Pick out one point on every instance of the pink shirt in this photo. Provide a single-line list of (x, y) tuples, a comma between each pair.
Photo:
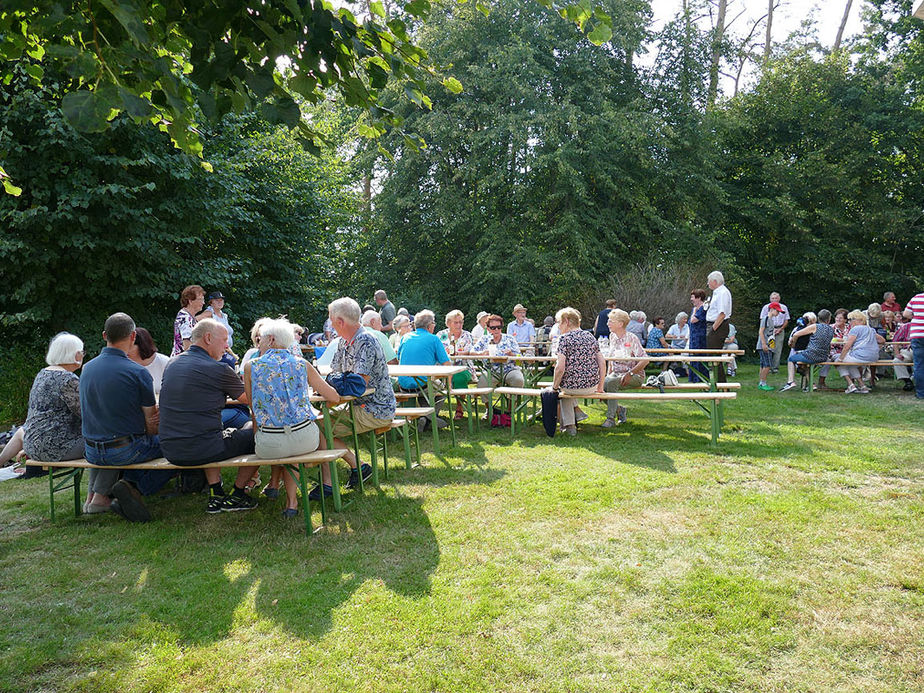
[(917, 322)]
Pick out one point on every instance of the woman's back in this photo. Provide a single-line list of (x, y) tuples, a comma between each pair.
[(865, 347), (53, 422), (280, 389)]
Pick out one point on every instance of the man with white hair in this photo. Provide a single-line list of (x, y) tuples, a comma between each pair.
[(194, 391), (360, 352), (422, 348), (386, 310), (636, 325), (372, 321), (779, 328), (720, 310)]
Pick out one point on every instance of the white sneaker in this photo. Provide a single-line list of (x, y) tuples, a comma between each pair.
[(850, 390), (787, 386), (862, 390)]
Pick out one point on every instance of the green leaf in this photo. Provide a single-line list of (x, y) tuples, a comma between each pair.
[(453, 85), (486, 10), (377, 8), (600, 34), (35, 71), (86, 111), (10, 188), (126, 13), (418, 8)]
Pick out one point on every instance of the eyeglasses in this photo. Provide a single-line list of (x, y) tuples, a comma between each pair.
[(494, 327)]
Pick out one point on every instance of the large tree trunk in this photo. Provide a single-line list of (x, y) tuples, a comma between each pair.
[(717, 38), (768, 41), (840, 31)]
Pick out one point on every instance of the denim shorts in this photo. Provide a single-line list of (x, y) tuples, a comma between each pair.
[(766, 358)]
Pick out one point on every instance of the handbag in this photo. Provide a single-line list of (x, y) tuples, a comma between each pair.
[(347, 384)]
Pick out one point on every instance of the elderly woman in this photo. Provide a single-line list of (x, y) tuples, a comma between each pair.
[(52, 429), (579, 369), (623, 374), (277, 384), (254, 350), (819, 327), (215, 308), (636, 326), (402, 327), (841, 328), (862, 346), (192, 299), (144, 352), (481, 325), (679, 333), (458, 342), (698, 326)]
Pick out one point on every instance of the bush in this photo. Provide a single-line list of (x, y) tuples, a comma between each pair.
[(17, 371)]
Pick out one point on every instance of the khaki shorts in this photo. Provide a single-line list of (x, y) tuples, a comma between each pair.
[(364, 422)]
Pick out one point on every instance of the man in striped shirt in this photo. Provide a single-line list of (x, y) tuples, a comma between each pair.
[(916, 334)]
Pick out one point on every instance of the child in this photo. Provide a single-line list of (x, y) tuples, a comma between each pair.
[(765, 344)]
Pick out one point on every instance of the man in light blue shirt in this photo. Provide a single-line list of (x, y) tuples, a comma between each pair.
[(422, 348), (521, 329)]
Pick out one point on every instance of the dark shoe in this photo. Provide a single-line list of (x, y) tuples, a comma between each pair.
[(289, 513), (215, 501), (131, 504), (441, 423), (315, 494), (271, 492), (422, 424), (354, 476), (909, 385), (236, 502)]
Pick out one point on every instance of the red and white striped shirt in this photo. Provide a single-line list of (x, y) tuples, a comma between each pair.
[(916, 304)]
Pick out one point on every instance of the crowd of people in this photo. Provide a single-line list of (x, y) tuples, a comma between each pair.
[(203, 404)]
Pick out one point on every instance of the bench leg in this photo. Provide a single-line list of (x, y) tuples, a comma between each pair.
[(359, 462), (51, 491), (812, 372), (436, 429), (514, 401), (303, 501), (405, 436), (373, 452), (714, 418)]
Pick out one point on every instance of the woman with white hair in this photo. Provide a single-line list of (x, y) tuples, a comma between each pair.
[(277, 385), (52, 430), (402, 325), (862, 346), (458, 342), (636, 325), (580, 367)]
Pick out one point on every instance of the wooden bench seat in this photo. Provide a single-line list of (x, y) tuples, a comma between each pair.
[(414, 412)]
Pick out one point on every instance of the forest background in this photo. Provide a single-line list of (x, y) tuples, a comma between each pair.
[(563, 173)]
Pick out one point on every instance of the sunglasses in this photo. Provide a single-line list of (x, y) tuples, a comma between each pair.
[(494, 327)]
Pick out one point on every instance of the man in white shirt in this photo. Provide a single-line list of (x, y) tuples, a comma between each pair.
[(779, 328), (720, 310)]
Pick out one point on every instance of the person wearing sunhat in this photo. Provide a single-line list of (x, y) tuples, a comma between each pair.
[(480, 323), (215, 309), (520, 328)]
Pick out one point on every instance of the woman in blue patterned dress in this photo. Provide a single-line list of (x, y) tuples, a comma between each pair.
[(698, 371), (277, 386)]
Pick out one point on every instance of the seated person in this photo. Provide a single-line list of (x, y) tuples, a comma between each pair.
[(254, 349), (422, 348), (359, 353), (496, 343), (520, 328), (889, 303), (636, 325), (861, 345), (622, 374), (458, 342), (119, 424), (580, 367), (818, 329), (372, 322), (544, 336), (402, 325), (277, 384), (144, 352), (656, 339), (677, 336), (903, 355), (731, 344), (194, 392)]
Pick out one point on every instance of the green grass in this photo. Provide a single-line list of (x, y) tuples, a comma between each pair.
[(790, 558)]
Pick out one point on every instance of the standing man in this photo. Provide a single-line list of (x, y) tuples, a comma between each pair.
[(720, 310), (779, 328), (386, 310), (120, 423), (917, 343), (194, 391), (422, 348), (521, 329)]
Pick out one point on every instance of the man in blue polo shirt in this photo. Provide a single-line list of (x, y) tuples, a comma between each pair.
[(422, 348), (120, 424)]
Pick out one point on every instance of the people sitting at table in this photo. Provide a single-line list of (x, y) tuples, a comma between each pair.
[(372, 322), (194, 392), (677, 336), (276, 384), (496, 343), (698, 327), (544, 336), (359, 353), (889, 303), (622, 374), (819, 345), (520, 328), (861, 346), (422, 348), (120, 423), (766, 340), (191, 300), (903, 355), (402, 325), (52, 431), (840, 328), (144, 351), (579, 368), (458, 342), (478, 331), (637, 327)]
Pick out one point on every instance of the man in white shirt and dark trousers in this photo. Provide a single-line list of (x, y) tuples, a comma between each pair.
[(720, 310)]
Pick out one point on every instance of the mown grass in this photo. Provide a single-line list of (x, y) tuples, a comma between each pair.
[(790, 558)]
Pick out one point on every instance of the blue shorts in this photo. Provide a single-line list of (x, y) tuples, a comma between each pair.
[(766, 358), (799, 357)]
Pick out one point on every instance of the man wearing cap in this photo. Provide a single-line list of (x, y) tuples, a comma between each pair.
[(387, 310), (521, 329), (779, 327)]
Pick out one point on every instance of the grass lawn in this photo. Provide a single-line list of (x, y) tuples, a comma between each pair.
[(790, 558)]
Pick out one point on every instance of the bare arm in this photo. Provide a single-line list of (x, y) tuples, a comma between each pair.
[(248, 393), (601, 365), (848, 344), (559, 372), (151, 419), (321, 386)]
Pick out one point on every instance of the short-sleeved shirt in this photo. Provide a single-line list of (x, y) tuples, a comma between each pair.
[(363, 355), (637, 328), (53, 423), (506, 343), (194, 391), (387, 348), (655, 335), (782, 317), (721, 303), (156, 369), (865, 346), (182, 329), (223, 319), (580, 350), (916, 305), (465, 342), (387, 314), (420, 348), (522, 333), (113, 388), (767, 323), (279, 389), (819, 345), (680, 336), (629, 345)]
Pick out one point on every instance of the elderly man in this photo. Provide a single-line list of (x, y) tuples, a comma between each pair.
[(386, 310), (373, 324), (120, 423), (195, 388), (422, 348), (496, 343), (779, 328), (889, 303), (720, 310), (520, 328)]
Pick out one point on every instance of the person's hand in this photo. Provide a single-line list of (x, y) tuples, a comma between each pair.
[(626, 378), (600, 389), (777, 330)]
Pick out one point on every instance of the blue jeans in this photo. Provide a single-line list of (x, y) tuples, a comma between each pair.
[(917, 351), (234, 417), (141, 449)]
